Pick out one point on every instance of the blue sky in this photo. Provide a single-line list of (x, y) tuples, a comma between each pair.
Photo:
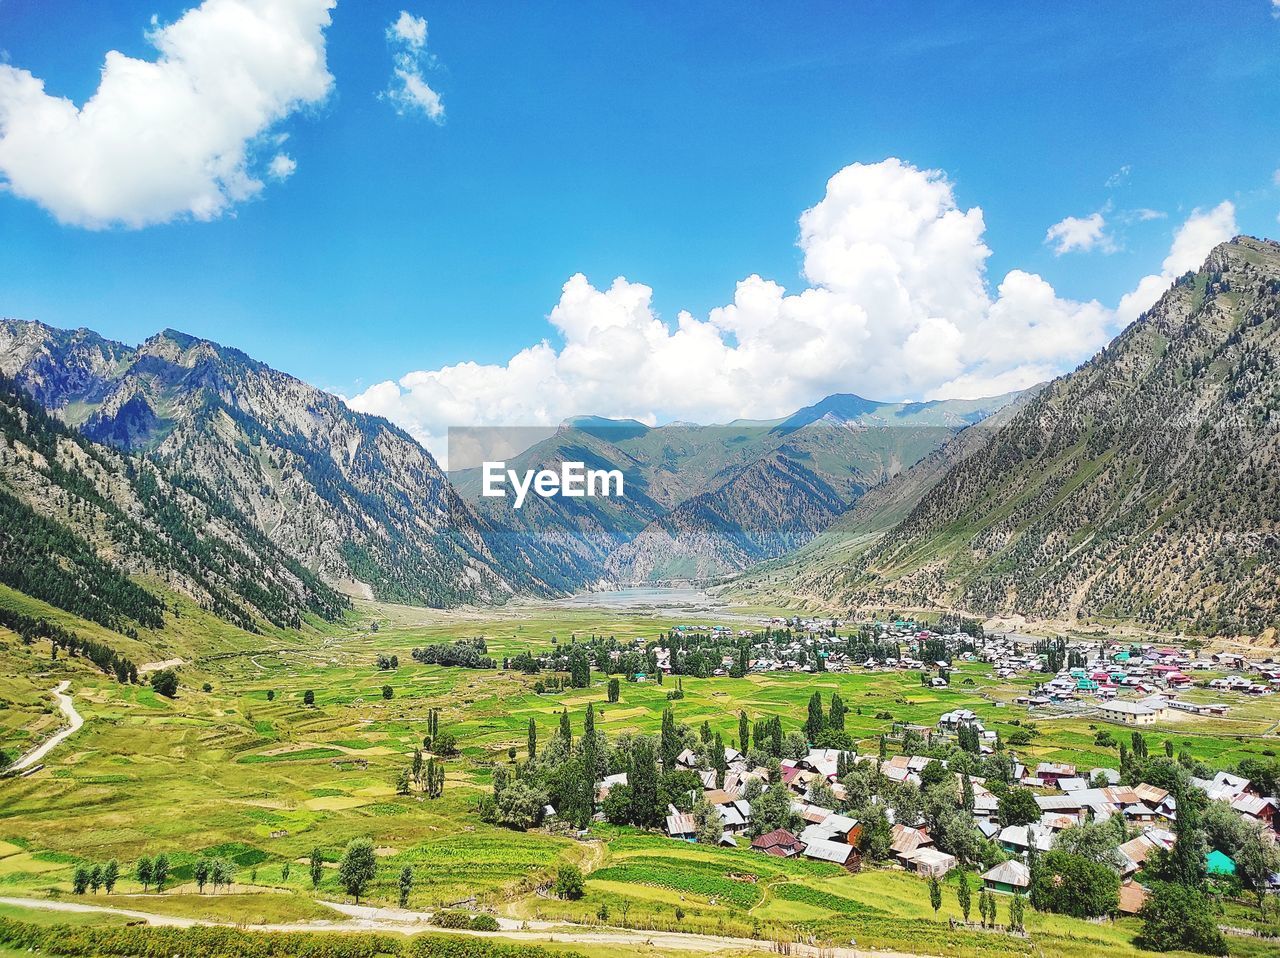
[(675, 145)]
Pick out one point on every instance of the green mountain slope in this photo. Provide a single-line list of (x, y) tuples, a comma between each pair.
[(1142, 487), (82, 524)]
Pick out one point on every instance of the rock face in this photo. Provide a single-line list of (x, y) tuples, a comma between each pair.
[(348, 495), (1142, 487)]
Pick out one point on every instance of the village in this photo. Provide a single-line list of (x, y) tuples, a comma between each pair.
[(1088, 679)]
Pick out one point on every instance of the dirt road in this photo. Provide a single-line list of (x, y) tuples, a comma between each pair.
[(398, 921), (38, 753)]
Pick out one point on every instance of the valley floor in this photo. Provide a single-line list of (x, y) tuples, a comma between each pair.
[(247, 772)]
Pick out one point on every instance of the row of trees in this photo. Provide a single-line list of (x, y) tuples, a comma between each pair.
[(93, 877)]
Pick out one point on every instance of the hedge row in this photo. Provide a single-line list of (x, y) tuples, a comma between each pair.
[(141, 941)]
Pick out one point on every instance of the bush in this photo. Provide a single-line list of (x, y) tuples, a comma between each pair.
[(451, 919), (484, 923)]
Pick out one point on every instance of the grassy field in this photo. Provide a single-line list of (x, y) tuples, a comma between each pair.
[(247, 772)]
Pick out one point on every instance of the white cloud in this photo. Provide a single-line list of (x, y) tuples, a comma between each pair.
[(409, 91), (410, 29), (1192, 242), (169, 138), (1119, 178), (898, 305), (282, 166), (1080, 234)]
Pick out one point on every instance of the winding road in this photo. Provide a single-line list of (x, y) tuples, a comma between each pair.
[(74, 719), (396, 920)]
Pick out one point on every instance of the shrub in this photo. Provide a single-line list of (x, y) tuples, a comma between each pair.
[(484, 923)]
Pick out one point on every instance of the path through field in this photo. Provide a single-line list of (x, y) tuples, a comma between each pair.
[(395, 920), (73, 717)]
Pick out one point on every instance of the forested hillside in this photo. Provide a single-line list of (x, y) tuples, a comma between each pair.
[(84, 528), (344, 494)]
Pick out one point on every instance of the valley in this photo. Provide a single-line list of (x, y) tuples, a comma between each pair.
[(265, 664)]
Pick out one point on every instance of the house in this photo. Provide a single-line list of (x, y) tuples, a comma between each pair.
[(1132, 897), (907, 841), (1261, 810), (931, 862), (681, 825), (1219, 864), (1129, 713), (1136, 851), (1018, 838), (1051, 772), (1011, 876), (837, 853), (780, 843)]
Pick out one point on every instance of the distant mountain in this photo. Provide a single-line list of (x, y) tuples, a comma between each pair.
[(1140, 488), (99, 533), (706, 500), (816, 575), (347, 495)]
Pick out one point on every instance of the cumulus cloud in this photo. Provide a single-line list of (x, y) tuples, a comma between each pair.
[(178, 136), (897, 305), (282, 166), (1202, 231), (409, 91), (1080, 234)]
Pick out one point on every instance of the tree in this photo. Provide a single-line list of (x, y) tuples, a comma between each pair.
[(772, 810), (744, 733), (316, 867), (646, 810), (615, 691), (835, 716), (308, 697), (1073, 885), (533, 739), (201, 874), (1178, 918), (816, 721), (160, 871), (708, 823), (95, 878), (388, 692), (520, 806), (964, 894), (110, 875), (80, 882), (357, 868), (1256, 861), (406, 885), (165, 682), (568, 883), (935, 894), (444, 743), (1017, 912), (617, 805), (144, 873), (1018, 807), (221, 874)]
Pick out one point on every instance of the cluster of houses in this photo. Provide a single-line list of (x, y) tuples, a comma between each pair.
[(1066, 796)]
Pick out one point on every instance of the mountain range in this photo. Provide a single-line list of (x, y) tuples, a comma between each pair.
[(1139, 488)]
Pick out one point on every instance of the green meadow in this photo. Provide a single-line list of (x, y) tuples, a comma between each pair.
[(249, 773)]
